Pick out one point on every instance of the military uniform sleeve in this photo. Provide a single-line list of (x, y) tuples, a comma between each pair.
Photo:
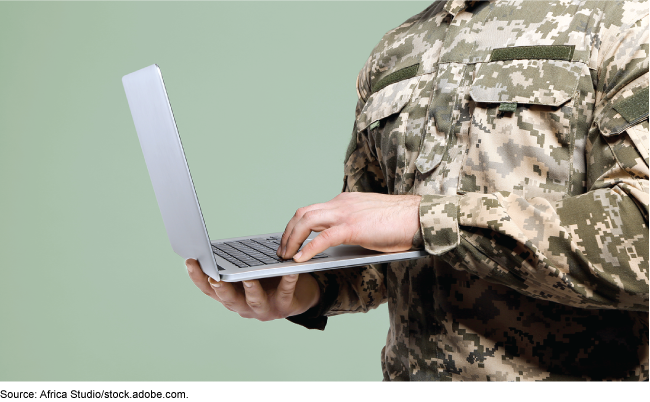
[(352, 290), (590, 250)]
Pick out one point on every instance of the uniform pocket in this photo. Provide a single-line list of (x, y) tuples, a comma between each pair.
[(623, 125), (627, 112), (531, 82), (392, 122), (386, 102), (520, 132)]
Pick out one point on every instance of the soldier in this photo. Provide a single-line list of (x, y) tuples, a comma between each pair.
[(510, 140)]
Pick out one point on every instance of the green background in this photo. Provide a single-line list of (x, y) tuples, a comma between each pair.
[(264, 97)]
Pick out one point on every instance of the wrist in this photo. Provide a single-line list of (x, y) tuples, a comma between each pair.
[(417, 241), (314, 290), (310, 291)]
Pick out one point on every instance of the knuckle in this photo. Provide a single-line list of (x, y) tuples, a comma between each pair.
[(310, 246), (306, 250), (291, 280), (311, 215), (325, 235), (286, 243), (331, 237), (300, 212), (285, 294), (253, 304), (225, 300)]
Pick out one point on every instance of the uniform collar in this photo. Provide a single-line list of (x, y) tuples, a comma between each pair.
[(454, 7)]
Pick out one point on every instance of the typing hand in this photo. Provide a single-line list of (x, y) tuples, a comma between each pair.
[(375, 221)]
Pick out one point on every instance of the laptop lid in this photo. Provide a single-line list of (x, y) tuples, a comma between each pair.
[(168, 169)]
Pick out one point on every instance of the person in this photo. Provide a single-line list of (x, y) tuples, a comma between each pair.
[(510, 140)]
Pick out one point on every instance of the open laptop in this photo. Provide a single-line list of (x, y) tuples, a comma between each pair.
[(234, 259)]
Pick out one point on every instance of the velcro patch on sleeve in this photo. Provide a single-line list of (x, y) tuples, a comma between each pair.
[(552, 52), (399, 75), (634, 108)]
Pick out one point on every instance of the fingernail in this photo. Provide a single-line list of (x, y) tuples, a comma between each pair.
[(248, 284), (295, 257), (189, 268), (214, 283), (284, 251)]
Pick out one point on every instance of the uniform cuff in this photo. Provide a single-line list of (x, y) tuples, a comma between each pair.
[(439, 223), (418, 242), (309, 319)]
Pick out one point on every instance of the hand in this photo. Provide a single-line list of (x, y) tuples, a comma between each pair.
[(375, 221), (265, 300)]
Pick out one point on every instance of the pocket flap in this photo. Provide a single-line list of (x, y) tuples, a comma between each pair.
[(386, 102), (537, 82)]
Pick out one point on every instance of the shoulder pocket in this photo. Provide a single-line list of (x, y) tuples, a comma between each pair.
[(627, 112), (385, 102)]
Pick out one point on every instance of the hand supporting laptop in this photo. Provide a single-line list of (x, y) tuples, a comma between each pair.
[(374, 221), (264, 299)]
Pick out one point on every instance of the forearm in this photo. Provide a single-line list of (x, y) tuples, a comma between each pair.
[(587, 251)]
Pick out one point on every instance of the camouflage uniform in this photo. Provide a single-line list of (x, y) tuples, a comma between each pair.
[(524, 126)]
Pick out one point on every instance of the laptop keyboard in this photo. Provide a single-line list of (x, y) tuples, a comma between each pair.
[(252, 252)]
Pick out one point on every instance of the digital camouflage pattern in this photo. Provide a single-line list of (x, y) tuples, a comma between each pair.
[(534, 185)]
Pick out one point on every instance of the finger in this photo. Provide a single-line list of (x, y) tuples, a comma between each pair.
[(199, 278), (334, 236), (229, 296), (296, 217), (256, 298), (284, 294), (316, 220)]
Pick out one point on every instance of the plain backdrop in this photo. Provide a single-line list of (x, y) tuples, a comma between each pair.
[(263, 95)]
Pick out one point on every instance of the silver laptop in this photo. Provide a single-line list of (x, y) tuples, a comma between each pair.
[(231, 260)]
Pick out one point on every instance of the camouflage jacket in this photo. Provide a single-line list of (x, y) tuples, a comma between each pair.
[(524, 126)]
